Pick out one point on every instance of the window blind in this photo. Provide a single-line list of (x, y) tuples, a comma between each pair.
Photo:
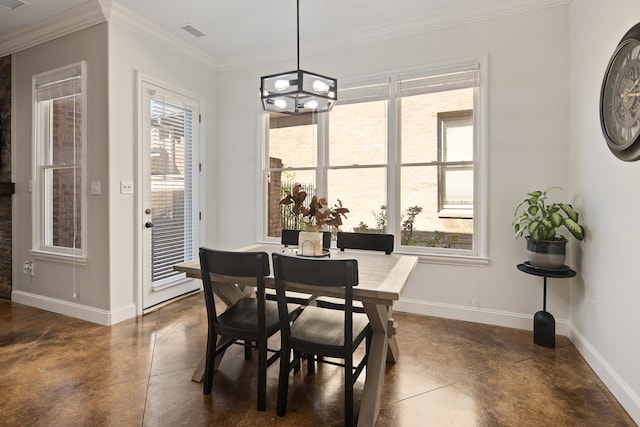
[(446, 80), (59, 84), (171, 185), (367, 92)]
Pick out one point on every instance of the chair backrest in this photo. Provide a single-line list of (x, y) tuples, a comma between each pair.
[(290, 237), (315, 273), (232, 269), (366, 241)]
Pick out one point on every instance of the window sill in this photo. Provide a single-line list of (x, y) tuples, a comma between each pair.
[(59, 257), (448, 259)]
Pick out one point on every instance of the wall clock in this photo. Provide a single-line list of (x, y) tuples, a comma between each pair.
[(620, 98)]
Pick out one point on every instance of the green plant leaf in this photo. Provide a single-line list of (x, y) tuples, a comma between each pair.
[(568, 210), (556, 219), (533, 210), (574, 228)]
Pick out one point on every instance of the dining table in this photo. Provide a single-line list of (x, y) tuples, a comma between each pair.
[(382, 278)]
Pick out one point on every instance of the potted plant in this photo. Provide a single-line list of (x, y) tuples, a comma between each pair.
[(538, 221), (313, 216)]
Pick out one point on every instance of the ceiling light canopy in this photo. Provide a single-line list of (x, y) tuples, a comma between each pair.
[(298, 91)]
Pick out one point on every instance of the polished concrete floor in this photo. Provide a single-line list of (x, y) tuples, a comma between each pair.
[(60, 371)]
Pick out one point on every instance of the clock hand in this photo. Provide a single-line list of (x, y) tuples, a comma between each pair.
[(626, 95)]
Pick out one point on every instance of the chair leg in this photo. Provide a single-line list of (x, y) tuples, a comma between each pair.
[(348, 391), (247, 350), (311, 364), (283, 380), (262, 375), (209, 362)]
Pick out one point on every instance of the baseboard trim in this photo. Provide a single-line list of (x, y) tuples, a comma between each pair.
[(79, 311), (614, 382), (473, 314)]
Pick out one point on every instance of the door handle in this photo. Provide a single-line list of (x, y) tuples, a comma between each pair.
[(148, 224)]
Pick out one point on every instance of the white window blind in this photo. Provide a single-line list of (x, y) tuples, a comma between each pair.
[(451, 79), (364, 92), (171, 185)]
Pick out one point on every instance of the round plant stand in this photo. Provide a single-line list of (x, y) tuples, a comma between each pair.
[(544, 324)]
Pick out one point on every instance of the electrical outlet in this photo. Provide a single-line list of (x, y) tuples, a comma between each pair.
[(27, 267)]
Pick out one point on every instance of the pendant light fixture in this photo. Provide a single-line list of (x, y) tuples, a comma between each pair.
[(298, 91)]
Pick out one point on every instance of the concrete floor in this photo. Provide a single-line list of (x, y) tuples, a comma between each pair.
[(60, 371)]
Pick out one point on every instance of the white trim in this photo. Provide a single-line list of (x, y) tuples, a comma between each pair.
[(198, 189), (79, 311), (75, 19), (140, 26), (473, 314), (627, 397)]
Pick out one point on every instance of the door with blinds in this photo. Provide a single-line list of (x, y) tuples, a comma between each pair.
[(170, 135)]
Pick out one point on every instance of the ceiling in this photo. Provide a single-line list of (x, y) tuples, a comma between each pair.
[(237, 29)]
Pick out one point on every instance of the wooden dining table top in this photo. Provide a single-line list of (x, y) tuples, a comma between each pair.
[(382, 277)]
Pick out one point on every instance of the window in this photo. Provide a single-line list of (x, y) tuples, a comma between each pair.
[(401, 153), (59, 175)]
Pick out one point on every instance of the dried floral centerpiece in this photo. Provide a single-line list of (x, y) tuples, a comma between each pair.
[(313, 217)]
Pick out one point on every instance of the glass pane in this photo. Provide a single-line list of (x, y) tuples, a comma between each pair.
[(65, 207), (421, 223), (419, 122), (458, 188), (358, 134), (279, 216), (293, 145), (171, 140), (457, 138), (66, 147), (363, 192)]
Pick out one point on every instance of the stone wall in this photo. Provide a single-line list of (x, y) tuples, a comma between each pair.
[(5, 177)]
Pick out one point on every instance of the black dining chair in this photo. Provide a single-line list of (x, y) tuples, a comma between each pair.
[(318, 333), (290, 238), (366, 241), (250, 319)]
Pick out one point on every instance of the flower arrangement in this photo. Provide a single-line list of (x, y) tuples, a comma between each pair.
[(318, 213)]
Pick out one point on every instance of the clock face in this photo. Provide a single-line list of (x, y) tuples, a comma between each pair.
[(620, 101)]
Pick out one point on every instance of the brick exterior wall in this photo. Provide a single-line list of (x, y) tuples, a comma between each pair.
[(5, 176), (67, 187)]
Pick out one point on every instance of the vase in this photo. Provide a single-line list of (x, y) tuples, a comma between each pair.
[(310, 243), (546, 253)]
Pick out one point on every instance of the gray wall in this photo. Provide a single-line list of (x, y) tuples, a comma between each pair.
[(55, 279)]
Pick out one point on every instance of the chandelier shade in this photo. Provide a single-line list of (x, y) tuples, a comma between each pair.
[(298, 91)]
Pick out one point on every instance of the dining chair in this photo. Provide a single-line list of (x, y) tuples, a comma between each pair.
[(319, 332), (366, 241), (290, 238), (249, 319)]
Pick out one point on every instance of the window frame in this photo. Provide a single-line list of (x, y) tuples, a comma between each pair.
[(444, 210), (41, 137), (478, 254)]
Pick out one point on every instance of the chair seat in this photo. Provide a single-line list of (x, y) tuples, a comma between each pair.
[(326, 327), (243, 315)]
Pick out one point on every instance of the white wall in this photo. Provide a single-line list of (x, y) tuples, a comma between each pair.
[(54, 282), (608, 266), (131, 54), (528, 118)]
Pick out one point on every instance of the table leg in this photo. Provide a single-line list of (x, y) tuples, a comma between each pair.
[(229, 294), (372, 394)]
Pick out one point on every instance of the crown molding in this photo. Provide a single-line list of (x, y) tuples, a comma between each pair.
[(452, 17), (75, 19), (138, 25)]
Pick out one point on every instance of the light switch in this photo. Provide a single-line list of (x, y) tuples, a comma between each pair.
[(95, 187)]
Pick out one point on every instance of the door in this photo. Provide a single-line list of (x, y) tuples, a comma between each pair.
[(169, 193)]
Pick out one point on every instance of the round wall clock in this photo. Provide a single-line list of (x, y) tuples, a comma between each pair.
[(620, 98)]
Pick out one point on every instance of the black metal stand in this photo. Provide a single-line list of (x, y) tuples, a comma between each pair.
[(544, 324)]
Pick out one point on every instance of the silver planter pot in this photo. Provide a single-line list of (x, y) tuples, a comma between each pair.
[(547, 253)]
